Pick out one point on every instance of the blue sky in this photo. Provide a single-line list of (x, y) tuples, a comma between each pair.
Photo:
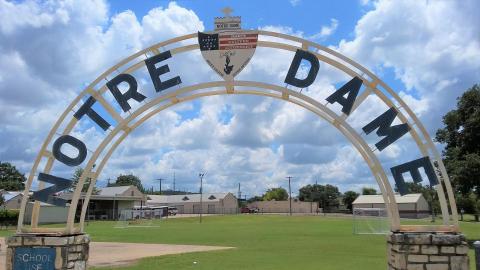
[(427, 51)]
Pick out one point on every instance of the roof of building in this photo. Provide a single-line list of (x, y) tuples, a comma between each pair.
[(169, 199), (108, 193), (112, 191), (368, 199), (8, 195)]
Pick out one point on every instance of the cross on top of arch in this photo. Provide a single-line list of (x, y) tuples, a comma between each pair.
[(227, 11)]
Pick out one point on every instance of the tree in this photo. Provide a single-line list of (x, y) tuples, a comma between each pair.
[(76, 177), (369, 191), (128, 180), (255, 199), (349, 197), (2, 200), (277, 194), (10, 178), (461, 134), (327, 196)]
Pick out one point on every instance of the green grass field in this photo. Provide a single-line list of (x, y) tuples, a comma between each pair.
[(261, 241)]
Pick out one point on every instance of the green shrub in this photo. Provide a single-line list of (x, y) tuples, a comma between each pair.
[(8, 217)]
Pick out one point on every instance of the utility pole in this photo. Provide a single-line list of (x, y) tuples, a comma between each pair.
[(173, 181), (290, 193), (239, 197), (160, 182), (201, 175)]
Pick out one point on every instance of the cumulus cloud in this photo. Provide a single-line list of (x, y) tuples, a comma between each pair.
[(50, 50), (433, 47), (295, 2), (326, 30), (47, 59)]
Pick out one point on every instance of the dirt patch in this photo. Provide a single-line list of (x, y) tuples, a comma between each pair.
[(116, 254), (108, 254)]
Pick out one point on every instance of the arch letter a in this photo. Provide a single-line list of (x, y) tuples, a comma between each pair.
[(351, 88)]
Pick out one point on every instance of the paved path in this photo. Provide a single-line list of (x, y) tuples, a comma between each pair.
[(114, 254)]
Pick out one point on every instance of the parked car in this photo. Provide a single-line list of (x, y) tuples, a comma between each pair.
[(248, 210), (172, 211), (254, 210), (244, 210)]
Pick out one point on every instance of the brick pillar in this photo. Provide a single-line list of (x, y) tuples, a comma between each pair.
[(427, 251), (32, 251)]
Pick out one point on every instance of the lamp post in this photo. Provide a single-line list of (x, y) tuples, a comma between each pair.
[(201, 175), (290, 194)]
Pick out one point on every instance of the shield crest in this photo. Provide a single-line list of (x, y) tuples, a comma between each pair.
[(229, 52)]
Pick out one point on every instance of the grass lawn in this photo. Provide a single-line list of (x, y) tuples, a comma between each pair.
[(261, 241)]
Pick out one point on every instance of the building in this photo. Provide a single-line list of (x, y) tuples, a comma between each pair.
[(212, 203), (109, 202), (13, 199), (48, 213), (284, 206), (409, 206)]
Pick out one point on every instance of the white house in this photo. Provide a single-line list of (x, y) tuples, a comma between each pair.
[(110, 201), (409, 206), (212, 203)]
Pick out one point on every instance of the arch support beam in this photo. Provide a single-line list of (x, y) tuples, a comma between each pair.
[(115, 135)]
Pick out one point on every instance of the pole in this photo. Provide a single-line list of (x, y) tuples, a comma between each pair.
[(290, 194), (201, 175), (239, 197), (160, 182)]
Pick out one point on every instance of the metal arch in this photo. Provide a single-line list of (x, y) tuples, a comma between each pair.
[(284, 94), (425, 147)]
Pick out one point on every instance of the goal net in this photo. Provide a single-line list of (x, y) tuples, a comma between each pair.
[(139, 218), (370, 221)]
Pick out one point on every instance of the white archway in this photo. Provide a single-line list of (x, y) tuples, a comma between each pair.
[(374, 86)]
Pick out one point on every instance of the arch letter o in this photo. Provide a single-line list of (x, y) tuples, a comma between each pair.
[(57, 153)]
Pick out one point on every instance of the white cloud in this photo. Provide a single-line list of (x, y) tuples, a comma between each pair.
[(326, 31), (432, 46), (45, 60), (295, 2)]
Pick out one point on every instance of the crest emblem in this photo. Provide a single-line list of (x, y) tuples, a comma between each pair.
[(228, 49)]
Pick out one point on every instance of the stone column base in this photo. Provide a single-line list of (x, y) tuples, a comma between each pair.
[(427, 251), (33, 251)]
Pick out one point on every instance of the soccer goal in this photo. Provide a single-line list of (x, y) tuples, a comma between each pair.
[(139, 218), (370, 221)]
